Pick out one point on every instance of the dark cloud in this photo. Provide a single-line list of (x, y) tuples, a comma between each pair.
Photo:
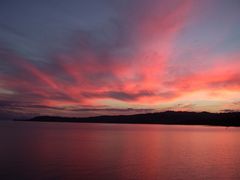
[(12, 110), (79, 54), (127, 96), (229, 110)]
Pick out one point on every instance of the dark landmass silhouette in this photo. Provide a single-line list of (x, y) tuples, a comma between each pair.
[(168, 117)]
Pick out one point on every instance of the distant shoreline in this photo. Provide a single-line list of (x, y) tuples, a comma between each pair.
[(165, 118)]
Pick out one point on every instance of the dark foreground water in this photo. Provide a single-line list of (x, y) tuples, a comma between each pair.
[(34, 150)]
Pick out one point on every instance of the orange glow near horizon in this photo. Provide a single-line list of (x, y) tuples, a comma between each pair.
[(162, 60)]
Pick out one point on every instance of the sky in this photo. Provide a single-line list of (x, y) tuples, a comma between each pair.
[(97, 57)]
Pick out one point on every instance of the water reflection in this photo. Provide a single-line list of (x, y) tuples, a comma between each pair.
[(108, 151)]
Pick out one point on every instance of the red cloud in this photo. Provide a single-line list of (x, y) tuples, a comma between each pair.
[(86, 74), (221, 76)]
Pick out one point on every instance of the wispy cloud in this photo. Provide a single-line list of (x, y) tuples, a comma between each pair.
[(135, 59)]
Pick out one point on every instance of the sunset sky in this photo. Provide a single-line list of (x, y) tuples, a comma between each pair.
[(95, 57)]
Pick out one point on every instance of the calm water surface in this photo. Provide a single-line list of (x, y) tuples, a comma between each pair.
[(34, 150)]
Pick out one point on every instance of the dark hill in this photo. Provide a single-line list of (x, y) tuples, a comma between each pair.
[(168, 117)]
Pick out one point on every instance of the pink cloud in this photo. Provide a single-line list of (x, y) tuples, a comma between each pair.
[(83, 76)]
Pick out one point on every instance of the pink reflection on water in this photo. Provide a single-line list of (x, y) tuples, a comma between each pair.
[(108, 151)]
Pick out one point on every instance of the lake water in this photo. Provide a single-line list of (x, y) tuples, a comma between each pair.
[(35, 150)]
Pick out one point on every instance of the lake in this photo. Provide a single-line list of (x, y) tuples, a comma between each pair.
[(36, 150)]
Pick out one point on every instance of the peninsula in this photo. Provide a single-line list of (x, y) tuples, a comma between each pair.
[(168, 117)]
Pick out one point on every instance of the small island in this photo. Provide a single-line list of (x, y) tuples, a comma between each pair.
[(168, 118)]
